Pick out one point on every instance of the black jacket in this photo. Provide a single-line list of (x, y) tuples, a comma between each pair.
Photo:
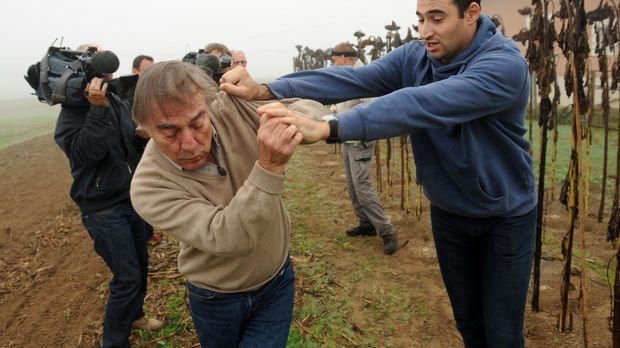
[(100, 144)]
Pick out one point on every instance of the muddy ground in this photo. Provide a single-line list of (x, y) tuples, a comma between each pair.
[(53, 285)]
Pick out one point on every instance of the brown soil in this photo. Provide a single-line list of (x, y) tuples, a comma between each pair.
[(53, 285)]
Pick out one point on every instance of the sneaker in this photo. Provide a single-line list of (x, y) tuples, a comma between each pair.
[(362, 230), (390, 243), (148, 324)]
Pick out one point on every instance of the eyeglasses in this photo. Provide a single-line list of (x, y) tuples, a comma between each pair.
[(240, 62)]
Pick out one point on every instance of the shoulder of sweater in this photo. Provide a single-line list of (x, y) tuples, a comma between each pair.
[(226, 105)]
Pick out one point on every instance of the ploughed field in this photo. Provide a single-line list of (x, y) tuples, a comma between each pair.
[(53, 286)]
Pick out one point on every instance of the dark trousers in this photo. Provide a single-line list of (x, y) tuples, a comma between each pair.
[(120, 238), (485, 264), (259, 318)]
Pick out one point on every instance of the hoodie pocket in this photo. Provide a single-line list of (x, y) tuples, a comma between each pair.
[(470, 185), (460, 193)]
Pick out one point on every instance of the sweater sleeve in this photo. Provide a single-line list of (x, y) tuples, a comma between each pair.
[(337, 84), (487, 86)]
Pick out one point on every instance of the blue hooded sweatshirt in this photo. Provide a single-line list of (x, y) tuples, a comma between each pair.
[(465, 118)]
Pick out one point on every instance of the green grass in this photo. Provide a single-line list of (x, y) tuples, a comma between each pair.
[(23, 119), (340, 305), (177, 321), (596, 153)]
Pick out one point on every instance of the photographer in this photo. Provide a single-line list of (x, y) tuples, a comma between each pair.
[(99, 142)]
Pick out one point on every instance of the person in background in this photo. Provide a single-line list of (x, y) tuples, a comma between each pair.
[(217, 49), (100, 144), (239, 59), (212, 176), (141, 63), (357, 162), (460, 93)]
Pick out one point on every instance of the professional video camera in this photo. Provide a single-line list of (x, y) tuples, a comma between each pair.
[(62, 75), (225, 60), (208, 62)]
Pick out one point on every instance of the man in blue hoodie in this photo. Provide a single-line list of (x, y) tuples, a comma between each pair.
[(460, 93)]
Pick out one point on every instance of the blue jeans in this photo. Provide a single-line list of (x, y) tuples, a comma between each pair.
[(485, 264), (120, 238), (259, 318)]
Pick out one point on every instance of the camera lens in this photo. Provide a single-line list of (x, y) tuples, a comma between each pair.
[(225, 61)]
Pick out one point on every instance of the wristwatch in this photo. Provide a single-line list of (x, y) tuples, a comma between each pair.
[(334, 132)]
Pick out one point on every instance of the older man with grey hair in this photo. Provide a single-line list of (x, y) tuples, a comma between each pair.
[(212, 176)]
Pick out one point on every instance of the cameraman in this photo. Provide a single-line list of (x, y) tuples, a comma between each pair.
[(99, 142)]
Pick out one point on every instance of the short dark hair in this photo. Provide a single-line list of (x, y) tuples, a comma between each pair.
[(138, 60), (463, 5)]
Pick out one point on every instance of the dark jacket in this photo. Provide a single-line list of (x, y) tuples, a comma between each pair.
[(100, 144)]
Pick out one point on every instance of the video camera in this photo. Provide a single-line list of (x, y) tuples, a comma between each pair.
[(225, 61), (62, 74), (211, 64)]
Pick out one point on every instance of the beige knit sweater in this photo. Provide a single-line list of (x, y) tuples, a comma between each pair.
[(234, 230)]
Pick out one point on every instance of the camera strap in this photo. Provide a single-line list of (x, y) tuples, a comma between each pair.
[(59, 92)]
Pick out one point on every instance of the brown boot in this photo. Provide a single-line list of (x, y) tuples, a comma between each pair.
[(148, 324)]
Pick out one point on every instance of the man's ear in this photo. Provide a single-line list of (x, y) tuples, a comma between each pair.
[(472, 13)]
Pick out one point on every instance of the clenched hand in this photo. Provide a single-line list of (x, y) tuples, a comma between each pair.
[(276, 143), (311, 130)]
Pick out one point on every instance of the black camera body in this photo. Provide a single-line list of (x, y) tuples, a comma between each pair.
[(213, 65), (190, 57), (225, 61), (61, 76)]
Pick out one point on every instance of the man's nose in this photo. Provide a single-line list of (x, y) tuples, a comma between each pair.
[(426, 31), (188, 141)]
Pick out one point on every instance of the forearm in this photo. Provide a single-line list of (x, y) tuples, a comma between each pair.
[(333, 85), (264, 93)]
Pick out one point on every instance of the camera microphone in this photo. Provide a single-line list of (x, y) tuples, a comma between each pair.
[(221, 171), (104, 62)]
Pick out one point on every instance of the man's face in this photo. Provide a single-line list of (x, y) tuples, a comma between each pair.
[(339, 60), (216, 52), (144, 64), (239, 59), (183, 133), (443, 32)]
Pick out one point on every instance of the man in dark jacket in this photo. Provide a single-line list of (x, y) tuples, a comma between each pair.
[(100, 143)]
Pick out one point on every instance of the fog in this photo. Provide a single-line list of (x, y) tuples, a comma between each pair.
[(267, 31)]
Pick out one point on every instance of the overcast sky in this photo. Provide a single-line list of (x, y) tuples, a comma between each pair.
[(267, 31)]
